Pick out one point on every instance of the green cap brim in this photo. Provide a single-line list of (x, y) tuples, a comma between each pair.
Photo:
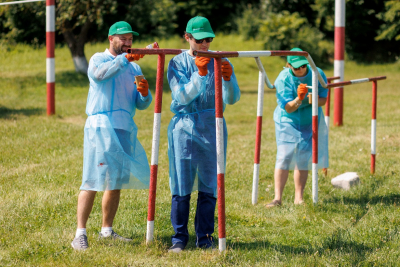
[(202, 35), (299, 63)]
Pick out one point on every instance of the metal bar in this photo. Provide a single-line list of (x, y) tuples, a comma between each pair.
[(155, 148), (373, 125), (219, 128), (156, 51), (261, 69), (314, 136), (19, 2)]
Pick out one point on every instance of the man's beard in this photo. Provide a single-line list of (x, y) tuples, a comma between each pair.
[(118, 50)]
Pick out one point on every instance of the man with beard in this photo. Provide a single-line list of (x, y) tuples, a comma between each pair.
[(114, 159)]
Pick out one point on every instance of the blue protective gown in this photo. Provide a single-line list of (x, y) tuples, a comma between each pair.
[(191, 132), (294, 130), (113, 156)]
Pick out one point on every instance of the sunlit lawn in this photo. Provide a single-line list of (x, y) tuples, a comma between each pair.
[(41, 168)]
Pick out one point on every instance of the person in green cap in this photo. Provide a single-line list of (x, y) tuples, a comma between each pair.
[(293, 127), (114, 159), (191, 134)]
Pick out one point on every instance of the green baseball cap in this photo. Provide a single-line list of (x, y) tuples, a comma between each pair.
[(296, 61), (200, 28), (121, 27)]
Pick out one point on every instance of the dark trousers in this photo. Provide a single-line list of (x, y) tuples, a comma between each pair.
[(203, 222)]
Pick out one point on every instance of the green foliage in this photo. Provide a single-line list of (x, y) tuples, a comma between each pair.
[(391, 28), (284, 31)]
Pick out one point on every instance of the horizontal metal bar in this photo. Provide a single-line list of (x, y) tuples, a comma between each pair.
[(19, 2), (155, 51), (363, 80), (333, 78)]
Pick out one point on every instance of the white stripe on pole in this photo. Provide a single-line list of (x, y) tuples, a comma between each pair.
[(338, 69), (256, 175), (327, 122), (260, 102), (340, 7), (254, 53), (315, 113), (222, 244), (359, 80), (314, 69), (261, 68), (19, 2), (156, 139), (50, 70), (50, 19), (150, 231), (220, 145), (373, 136)]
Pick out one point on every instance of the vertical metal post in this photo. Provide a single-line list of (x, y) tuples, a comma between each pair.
[(155, 148), (314, 137), (373, 125), (219, 125), (50, 62), (260, 105)]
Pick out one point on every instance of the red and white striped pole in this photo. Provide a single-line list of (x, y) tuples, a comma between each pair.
[(155, 148), (314, 136), (373, 125), (260, 105), (50, 62), (328, 102), (219, 128), (340, 7)]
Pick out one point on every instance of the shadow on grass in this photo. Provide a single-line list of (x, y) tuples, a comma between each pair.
[(7, 113), (389, 199)]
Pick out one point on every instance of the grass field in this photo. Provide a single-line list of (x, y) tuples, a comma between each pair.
[(41, 168)]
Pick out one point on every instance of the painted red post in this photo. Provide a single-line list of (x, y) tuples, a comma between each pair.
[(50, 62), (315, 136), (219, 127), (373, 125), (257, 151), (155, 148), (340, 6)]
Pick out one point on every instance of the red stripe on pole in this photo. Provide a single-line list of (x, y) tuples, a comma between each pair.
[(258, 140), (289, 53), (338, 107), (157, 51), (314, 139), (377, 78), (372, 163), (218, 88), (374, 98), (218, 54), (221, 206), (159, 83), (152, 192), (50, 2), (51, 109), (339, 43), (328, 103), (50, 44)]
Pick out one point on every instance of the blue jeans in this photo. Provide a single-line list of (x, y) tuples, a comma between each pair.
[(203, 222)]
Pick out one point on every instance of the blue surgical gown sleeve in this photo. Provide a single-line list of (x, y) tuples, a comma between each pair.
[(184, 88), (102, 70), (230, 90), (284, 91)]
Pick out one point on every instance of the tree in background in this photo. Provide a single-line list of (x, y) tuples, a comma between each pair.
[(391, 28)]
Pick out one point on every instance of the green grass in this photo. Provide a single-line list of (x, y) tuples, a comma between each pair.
[(41, 168)]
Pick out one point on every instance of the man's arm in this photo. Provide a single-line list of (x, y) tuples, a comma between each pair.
[(230, 87), (184, 89), (101, 68)]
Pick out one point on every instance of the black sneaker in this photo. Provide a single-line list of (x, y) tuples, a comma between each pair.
[(115, 236), (80, 243), (177, 247)]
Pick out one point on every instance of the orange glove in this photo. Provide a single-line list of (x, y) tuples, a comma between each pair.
[(201, 63), (302, 90), (226, 71), (143, 87), (133, 57)]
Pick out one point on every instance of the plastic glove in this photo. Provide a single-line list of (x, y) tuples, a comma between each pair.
[(133, 57), (201, 63), (143, 87), (226, 71), (302, 90)]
